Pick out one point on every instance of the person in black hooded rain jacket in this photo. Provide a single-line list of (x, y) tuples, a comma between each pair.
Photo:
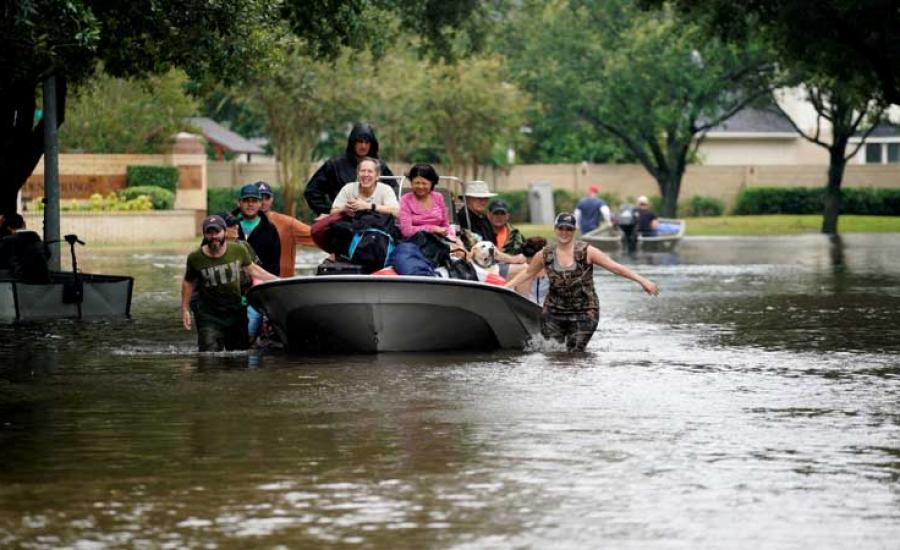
[(337, 171)]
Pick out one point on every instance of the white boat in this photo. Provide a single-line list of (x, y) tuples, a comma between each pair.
[(65, 297), (610, 238), (375, 313)]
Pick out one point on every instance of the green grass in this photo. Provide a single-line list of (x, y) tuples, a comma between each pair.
[(788, 224), (782, 224)]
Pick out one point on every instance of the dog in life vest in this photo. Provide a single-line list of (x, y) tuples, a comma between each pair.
[(484, 256)]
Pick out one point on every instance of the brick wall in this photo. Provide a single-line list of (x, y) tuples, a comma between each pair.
[(124, 227), (82, 175)]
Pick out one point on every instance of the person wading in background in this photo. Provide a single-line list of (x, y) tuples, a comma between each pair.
[(591, 211)]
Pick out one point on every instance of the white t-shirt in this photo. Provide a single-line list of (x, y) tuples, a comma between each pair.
[(383, 195)]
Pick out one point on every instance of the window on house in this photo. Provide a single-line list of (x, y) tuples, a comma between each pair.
[(893, 153), (873, 153)]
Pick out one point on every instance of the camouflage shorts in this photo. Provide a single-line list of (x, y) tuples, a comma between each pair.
[(573, 330)]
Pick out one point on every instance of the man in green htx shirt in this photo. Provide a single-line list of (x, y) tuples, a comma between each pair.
[(214, 270)]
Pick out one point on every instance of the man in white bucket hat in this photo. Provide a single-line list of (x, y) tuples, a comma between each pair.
[(472, 218)]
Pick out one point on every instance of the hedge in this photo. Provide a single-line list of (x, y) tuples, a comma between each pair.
[(701, 206), (519, 211), (159, 176), (162, 199), (806, 200), (564, 200)]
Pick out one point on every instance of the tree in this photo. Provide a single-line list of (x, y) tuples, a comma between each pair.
[(301, 97), (39, 38), (847, 113), (212, 40), (830, 35), (127, 115), (655, 83), (471, 110)]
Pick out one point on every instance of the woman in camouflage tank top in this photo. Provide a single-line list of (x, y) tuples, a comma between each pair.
[(572, 310)]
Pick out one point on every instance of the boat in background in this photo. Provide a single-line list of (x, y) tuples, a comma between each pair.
[(65, 297), (375, 313), (68, 295), (610, 238)]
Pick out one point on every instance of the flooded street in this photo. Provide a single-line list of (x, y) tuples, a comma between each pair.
[(754, 404)]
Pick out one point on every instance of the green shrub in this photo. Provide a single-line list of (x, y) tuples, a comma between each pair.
[(162, 199), (221, 199), (779, 200), (806, 200), (564, 200), (611, 199), (868, 200), (159, 176), (518, 205), (701, 206), (99, 203)]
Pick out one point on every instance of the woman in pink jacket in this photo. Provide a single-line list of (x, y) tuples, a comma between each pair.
[(424, 209)]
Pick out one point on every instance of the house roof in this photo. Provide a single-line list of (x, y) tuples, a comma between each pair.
[(884, 129), (755, 122), (230, 141)]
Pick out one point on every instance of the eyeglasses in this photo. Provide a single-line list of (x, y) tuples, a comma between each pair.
[(564, 228)]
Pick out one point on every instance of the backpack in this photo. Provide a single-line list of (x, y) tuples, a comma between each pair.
[(333, 233), (435, 249), (408, 260), (626, 215), (370, 248)]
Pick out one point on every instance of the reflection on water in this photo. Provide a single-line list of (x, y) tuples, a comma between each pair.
[(755, 404)]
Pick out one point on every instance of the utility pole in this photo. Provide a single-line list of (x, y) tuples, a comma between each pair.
[(51, 173)]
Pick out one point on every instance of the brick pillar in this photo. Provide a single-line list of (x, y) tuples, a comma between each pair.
[(189, 156)]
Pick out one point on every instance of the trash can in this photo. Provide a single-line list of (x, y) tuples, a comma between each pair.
[(540, 202)]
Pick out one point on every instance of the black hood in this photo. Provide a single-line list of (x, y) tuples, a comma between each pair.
[(362, 131)]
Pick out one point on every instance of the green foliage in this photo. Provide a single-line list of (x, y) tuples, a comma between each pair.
[(159, 176), (701, 206), (779, 200), (796, 34), (646, 78), (519, 211), (871, 201), (564, 200), (300, 97), (119, 115), (162, 198), (612, 199), (440, 27), (99, 203), (221, 199), (806, 200), (470, 109)]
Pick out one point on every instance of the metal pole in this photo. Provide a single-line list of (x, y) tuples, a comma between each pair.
[(51, 174)]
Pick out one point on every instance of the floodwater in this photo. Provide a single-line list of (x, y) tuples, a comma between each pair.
[(754, 404)]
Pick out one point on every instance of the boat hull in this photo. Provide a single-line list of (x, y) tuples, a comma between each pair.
[(609, 239), (370, 314), (102, 296)]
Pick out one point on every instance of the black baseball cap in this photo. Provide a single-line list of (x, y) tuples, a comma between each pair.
[(213, 222), (264, 188), (250, 191), (498, 206), (565, 220)]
